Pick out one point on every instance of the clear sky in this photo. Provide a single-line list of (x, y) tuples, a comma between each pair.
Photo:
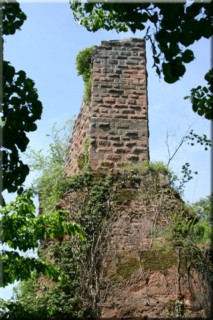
[(46, 50)]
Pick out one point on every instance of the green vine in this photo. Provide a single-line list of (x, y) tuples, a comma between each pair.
[(86, 154), (93, 198), (84, 68)]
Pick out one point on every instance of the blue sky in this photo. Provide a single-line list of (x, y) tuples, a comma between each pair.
[(46, 50)]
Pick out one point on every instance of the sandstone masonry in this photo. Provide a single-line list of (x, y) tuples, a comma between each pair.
[(136, 273), (115, 124)]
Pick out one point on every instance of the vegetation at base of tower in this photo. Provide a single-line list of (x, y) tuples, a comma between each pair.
[(170, 28), (21, 108), (83, 159), (66, 270), (204, 228), (92, 199), (72, 258), (84, 68)]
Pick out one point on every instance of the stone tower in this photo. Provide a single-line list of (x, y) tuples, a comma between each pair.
[(136, 274), (115, 124)]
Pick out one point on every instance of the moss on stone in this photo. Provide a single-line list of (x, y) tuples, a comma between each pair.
[(145, 167), (149, 261), (124, 196), (126, 269), (80, 161), (160, 261)]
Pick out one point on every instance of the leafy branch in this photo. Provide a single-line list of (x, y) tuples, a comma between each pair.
[(202, 97), (24, 230), (171, 29)]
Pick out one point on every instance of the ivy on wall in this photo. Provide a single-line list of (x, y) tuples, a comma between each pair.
[(84, 68), (92, 199)]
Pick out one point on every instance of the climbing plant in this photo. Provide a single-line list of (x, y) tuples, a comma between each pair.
[(84, 68), (91, 200)]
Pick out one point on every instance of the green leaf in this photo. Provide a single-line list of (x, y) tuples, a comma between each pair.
[(173, 70), (21, 110), (187, 56)]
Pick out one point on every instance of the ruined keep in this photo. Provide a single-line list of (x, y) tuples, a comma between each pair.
[(135, 274), (115, 123)]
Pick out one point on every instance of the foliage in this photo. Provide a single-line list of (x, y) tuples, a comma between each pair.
[(203, 207), (183, 234), (16, 219), (91, 197), (170, 28), (50, 166), (43, 302), (17, 267), (179, 183), (74, 293), (13, 17), (145, 167), (21, 108), (179, 229), (203, 228), (186, 173), (203, 140), (202, 98), (158, 167), (70, 296), (83, 158), (86, 154), (84, 68), (23, 230)]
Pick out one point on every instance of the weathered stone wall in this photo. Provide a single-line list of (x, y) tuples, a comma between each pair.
[(141, 278), (119, 128), (117, 119), (138, 278), (75, 156), (138, 274)]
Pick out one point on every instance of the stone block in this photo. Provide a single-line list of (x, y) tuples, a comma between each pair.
[(109, 100), (120, 106), (121, 150), (117, 144), (132, 157), (132, 134), (130, 144)]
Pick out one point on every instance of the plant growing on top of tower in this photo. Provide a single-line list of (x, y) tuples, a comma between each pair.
[(84, 68)]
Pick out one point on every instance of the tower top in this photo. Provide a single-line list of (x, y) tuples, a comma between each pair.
[(113, 128)]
